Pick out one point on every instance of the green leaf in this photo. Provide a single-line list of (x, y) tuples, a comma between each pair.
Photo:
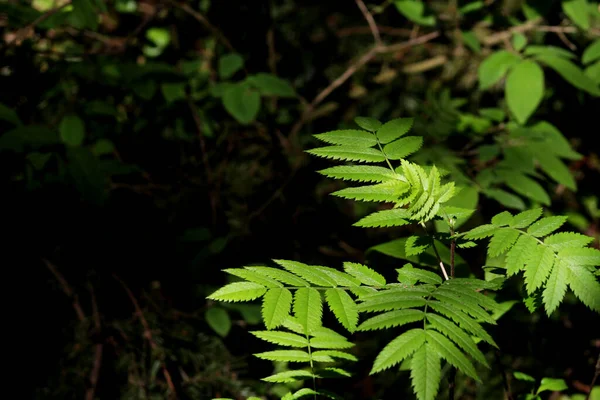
[(534, 50), (285, 355), (565, 240), (505, 198), (463, 320), (399, 349), (584, 256), (254, 276), (451, 353), (518, 255), (334, 354), (72, 130), (482, 231), (9, 115), (526, 218), (289, 376), (538, 267), (219, 321), (415, 11), (502, 219), (385, 218), (307, 272), (391, 319), (368, 123), (364, 274), (494, 67), (271, 85), (242, 103), (326, 342), (578, 12), (519, 41), (585, 286), (527, 187), (229, 64), (524, 89), (280, 275), (87, 174), (547, 225), (360, 173), (343, 307), (276, 307), (308, 308), (239, 291), (425, 372), (555, 385), (556, 286), (349, 153), (462, 339), (102, 147), (381, 192), (349, 137), (403, 147), (282, 338), (393, 129), (470, 39), (593, 71), (410, 274), (523, 377), (591, 53), (571, 73), (502, 240), (416, 245)]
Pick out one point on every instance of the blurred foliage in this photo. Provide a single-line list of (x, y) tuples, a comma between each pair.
[(162, 141)]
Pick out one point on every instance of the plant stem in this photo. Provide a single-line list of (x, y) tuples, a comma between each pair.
[(595, 378), (312, 368)]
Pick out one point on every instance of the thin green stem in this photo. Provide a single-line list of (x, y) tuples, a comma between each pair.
[(312, 367), (437, 255), (387, 160)]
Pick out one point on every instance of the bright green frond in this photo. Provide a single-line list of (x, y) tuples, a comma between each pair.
[(585, 286), (385, 218), (280, 275), (276, 307), (481, 232), (403, 147), (285, 355), (308, 308), (239, 291), (343, 307), (556, 286), (398, 349), (448, 351), (360, 173), (350, 137), (364, 274), (565, 240), (368, 123), (282, 338), (526, 218), (463, 320), (425, 372), (381, 192), (539, 265), (391, 319), (519, 254), (349, 153), (462, 339), (339, 277), (334, 354), (412, 275), (393, 129), (502, 240), (289, 376), (322, 342), (502, 219), (254, 276), (581, 256), (313, 275), (546, 226)]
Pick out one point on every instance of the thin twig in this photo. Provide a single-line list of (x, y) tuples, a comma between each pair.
[(362, 30), (147, 330), (95, 372), (595, 378), (66, 288), (364, 59), (202, 19), (500, 37), (371, 21), (22, 33), (437, 255)]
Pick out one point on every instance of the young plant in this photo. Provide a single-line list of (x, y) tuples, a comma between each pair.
[(439, 317)]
